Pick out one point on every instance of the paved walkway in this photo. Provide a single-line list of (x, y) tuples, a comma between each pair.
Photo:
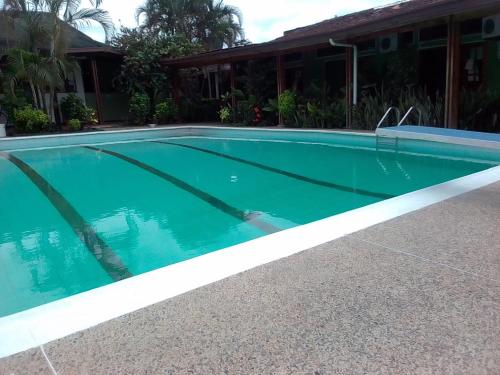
[(419, 294)]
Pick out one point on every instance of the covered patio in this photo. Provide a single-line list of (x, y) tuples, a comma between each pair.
[(446, 42)]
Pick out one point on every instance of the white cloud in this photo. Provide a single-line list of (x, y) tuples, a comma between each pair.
[(264, 20)]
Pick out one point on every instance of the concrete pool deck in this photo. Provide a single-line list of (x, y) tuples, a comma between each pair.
[(417, 294)]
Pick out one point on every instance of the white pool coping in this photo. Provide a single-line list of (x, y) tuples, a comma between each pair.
[(441, 138), (193, 126), (46, 323)]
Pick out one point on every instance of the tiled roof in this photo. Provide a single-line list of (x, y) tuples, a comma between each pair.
[(361, 18)]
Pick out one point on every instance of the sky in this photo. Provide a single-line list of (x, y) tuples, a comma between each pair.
[(263, 20)]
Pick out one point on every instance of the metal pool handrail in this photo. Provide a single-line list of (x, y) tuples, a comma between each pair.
[(395, 109), (409, 113)]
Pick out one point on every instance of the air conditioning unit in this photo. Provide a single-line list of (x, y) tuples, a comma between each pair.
[(388, 43), (491, 26)]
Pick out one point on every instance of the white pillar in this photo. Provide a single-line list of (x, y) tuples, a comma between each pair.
[(80, 87)]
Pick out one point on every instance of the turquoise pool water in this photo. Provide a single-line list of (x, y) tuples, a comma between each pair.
[(77, 218)]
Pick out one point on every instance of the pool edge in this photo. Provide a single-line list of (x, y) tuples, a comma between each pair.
[(42, 324)]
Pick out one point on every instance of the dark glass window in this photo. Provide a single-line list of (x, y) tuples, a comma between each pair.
[(330, 51), (293, 57), (474, 26), (406, 39), (433, 33), (367, 45)]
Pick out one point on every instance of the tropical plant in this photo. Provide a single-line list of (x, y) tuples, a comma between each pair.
[(287, 105), (142, 70), (210, 23), (430, 110), (30, 120), (139, 108), (319, 109), (9, 103), (225, 114), (372, 106), (249, 111), (72, 107), (75, 124), (44, 23), (258, 78), (479, 110), (165, 112), (28, 68), (90, 116)]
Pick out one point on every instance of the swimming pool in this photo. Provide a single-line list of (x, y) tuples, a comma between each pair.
[(78, 213)]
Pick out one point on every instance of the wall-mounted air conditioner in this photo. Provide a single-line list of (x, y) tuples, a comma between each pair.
[(388, 43), (491, 26)]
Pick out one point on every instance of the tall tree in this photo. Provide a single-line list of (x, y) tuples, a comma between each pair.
[(41, 25), (210, 23)]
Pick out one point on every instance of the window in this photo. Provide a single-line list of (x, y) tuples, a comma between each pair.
[(471, 27), (406, 39), (433, 33)]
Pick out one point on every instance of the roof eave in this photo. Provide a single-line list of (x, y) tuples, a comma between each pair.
[(277, 47)]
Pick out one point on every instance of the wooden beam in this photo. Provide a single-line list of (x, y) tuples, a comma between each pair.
[(97, 90), (281, 81), (348, 87), (232, 78), (452, 75), (176, 83)]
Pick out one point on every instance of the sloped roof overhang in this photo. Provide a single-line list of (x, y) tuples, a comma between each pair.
[(309, 38)]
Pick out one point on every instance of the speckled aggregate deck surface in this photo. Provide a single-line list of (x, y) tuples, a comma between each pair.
[(418, 294)]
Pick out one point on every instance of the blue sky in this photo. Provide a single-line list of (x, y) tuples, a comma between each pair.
[(263, 19)]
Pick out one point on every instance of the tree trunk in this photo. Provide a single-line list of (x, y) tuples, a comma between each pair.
[(51, 106), (33, 93)]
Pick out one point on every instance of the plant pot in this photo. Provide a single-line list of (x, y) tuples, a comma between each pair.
[(152, 125), (3, 133)]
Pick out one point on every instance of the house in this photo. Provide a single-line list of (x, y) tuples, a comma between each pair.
[(453, 44), (92, 81)]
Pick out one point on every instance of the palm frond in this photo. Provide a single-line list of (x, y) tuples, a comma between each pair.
[(89, 16)]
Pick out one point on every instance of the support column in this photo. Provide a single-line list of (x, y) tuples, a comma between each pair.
[(217, 83), (80, 87), (348, 87), (452, 98), (281, 81), (232, 77), (176, 95), (97, 89)]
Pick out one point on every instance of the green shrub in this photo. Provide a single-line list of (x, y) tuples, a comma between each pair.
[(72, 107), (30, 120), (139, 108), (249, 112), (11, 103), (225, 114), (75, 124), (165, 112), (287, 105), (90, 116)]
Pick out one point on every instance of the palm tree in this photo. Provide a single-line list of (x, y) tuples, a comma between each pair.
[(223, 25), (42, 24), (210, 23)]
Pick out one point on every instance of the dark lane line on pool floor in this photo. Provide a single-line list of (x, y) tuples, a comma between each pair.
[(104, 254), (282, 172), (249, 218)]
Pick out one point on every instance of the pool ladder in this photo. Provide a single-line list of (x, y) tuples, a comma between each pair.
[(388, 143), (391, 143)]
